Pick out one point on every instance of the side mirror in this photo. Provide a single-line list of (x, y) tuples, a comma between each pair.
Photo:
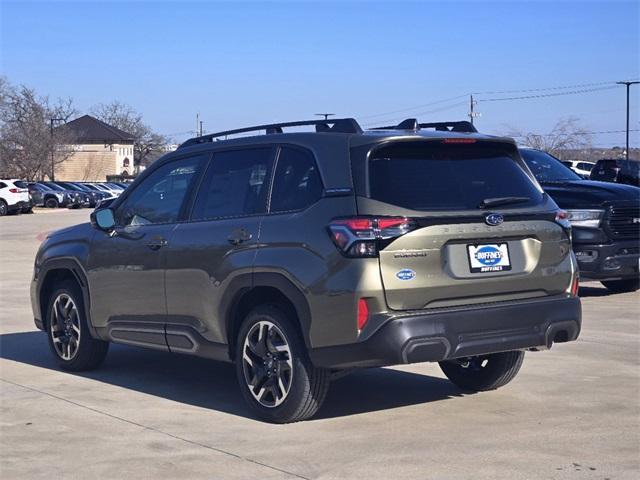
[(103, 219)]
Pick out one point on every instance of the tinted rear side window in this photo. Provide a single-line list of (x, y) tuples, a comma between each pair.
[(234, 185), (454, 177), (297, 182)]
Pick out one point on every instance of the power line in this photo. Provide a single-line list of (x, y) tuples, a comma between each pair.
[(414, 107), (565, 87), (543, 95), (426, 112), (578, 133)]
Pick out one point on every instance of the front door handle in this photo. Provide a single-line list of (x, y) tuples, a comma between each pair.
[(156, 243), (239, 236)]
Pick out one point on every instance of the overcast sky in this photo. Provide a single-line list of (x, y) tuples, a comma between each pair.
[(241, 63)]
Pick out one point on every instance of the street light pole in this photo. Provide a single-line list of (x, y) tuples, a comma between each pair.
[(628, 85), (53, 167)]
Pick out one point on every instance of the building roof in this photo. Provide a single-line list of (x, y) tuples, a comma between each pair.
[(88, 129)]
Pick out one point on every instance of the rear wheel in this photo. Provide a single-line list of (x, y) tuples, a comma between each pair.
[(622, 286), (484, 372), (68, 331), (275, 374), (4, 209), (51, 203)]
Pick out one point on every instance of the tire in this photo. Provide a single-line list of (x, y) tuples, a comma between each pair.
[(286, 387), (4, 209), (622, 286), (84, 352), (51, 203), (485, 372)]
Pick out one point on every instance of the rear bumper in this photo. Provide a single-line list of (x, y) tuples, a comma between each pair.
[(21, 205), (617, 260), (460, 332)]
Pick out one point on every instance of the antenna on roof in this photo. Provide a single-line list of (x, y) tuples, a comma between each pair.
[(325, 115)]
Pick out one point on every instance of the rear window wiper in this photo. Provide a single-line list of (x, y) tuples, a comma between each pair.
[(494, 202)]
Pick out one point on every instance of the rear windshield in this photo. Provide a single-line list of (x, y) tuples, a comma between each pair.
[(452, 177)]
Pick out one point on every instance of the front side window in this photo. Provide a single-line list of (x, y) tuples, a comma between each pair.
[(297, 182), (159, 198), (234, 185)]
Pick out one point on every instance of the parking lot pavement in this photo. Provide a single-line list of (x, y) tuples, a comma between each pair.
[(572, 413)]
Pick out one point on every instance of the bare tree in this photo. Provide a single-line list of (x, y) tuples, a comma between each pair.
[(566, 135), (28, 147), (146, 142)]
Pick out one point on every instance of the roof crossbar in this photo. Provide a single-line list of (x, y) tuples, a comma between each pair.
[(335, 125), (412, 124)]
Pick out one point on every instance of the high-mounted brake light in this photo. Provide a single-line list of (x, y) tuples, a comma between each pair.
[(459, 140), (364, 236)]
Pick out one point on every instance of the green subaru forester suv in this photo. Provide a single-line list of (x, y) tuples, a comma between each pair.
[(299, 255)]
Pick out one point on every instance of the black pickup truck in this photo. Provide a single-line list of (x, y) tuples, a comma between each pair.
[(605, 218)]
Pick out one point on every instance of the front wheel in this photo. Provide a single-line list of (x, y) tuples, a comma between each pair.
[(484, 372), (51, 203), (622, 286), (68, 331), (275, 374)]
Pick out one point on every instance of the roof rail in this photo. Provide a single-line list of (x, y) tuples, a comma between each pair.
[(335, 125), (412, 124)]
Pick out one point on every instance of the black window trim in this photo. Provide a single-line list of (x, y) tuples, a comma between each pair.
[(212, 153), (273, 176)]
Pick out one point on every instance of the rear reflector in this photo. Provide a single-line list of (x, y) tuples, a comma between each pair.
[(575, 286), (363, 313)]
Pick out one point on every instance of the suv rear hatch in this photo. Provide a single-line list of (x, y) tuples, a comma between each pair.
[(453, 249)]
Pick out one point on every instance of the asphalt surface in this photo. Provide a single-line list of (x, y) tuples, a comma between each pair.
[(572, 413)]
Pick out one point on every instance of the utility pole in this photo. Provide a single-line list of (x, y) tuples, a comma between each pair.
[(200, 128), (53, 148), (628, 85), (325, 115), (472, 114)]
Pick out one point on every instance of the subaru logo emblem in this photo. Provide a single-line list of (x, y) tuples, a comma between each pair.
[(494, 219)]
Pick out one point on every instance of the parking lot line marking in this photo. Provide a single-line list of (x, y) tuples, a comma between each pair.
[(156, 430)]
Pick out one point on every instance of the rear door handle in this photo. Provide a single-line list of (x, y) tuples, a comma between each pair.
[(239, 236), (157, 243)]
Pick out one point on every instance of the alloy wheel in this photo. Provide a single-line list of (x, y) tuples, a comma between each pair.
[(65, 326), (267, 364)]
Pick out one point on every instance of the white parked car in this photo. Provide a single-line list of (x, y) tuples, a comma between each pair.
[(581, 167), (13, 198)]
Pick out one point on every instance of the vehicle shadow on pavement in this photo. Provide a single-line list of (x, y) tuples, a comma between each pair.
[(209, 384), (586, 292)]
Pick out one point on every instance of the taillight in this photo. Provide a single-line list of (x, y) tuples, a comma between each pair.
[(365, 236), (363, 313), (562, 218), (14, 190)]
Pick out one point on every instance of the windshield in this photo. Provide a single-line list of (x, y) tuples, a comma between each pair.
[(546, 168), (55, 186), (417, 177)]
